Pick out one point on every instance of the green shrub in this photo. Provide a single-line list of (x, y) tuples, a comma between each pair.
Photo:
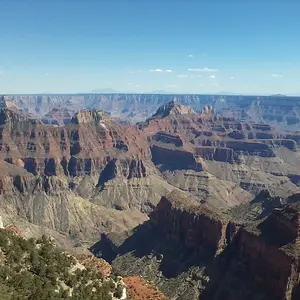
[(30, 272)]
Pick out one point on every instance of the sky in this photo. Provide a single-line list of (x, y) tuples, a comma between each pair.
[(179, 46)]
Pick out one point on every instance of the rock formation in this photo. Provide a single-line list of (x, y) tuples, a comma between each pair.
[(277, 110), (228, 229), (204, 252), (52, 175), (266, 257), (58, 116)]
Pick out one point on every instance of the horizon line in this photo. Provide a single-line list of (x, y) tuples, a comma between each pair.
[(149, 93)]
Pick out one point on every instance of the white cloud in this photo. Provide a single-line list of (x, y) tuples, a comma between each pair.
[(231, 78), (130, 83), (137, 85), (172, 85), (212, 77), (190, 55), (46, 74), (202, 70), (188, 76), (157, 70), (161, 71), (277, 75), (182, 76)]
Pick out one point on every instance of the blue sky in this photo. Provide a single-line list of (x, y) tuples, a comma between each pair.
[(181, 46)]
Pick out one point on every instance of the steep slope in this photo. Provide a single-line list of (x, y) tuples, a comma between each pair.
[(82, 179), (58, 116), (214, 157), (49, 203), (172, 249), (69, 177), (195, 251), (262, 261)]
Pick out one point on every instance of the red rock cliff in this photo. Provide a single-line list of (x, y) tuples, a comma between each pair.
[(195, 225)]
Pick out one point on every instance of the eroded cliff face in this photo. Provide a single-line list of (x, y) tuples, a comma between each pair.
[(266, 257), (279, 111), (206, 254), (49, 203), (128, 168), (175, 139), (128, 183), (197, 227), (193, 152), (88, 177), (58, 116), (173, 248), (92, 143), (82, 147), (185, 145)]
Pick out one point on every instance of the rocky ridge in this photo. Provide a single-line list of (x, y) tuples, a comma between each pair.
[(65, 177), (278, 110), (207, 254), (58, 116), (255, 156)]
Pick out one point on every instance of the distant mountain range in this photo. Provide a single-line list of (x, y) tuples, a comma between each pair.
[(160, 92), (105, 90)]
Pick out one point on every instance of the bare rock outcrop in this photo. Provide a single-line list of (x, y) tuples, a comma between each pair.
[(267, 258), (125, 169), (59, 116), (194, 244), (199, 227)]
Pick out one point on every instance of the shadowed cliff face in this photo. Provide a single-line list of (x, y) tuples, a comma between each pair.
[(173, 159), (183, 221), (267, 255), (179, 219), (173, 248), (204, 253)]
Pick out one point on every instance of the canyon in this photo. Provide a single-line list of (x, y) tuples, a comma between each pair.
[(278, 110), (200, 199)]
